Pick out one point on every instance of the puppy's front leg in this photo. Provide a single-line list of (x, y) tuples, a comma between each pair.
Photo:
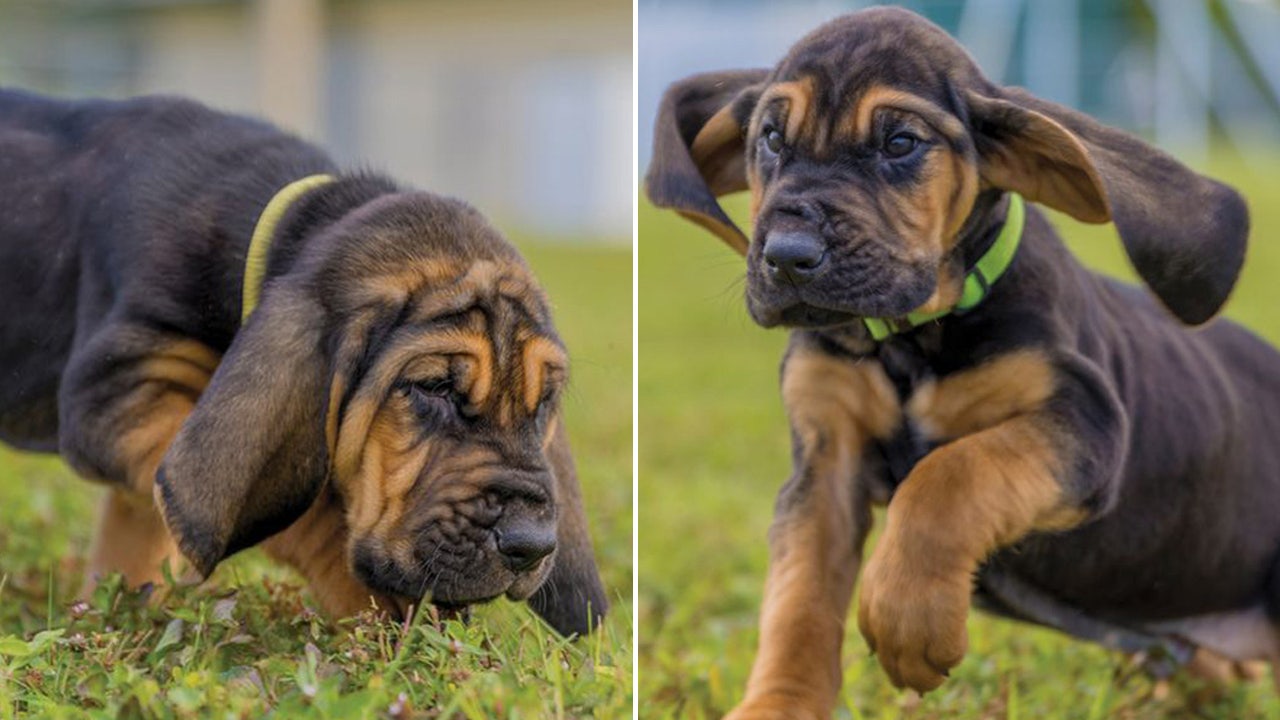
[(1042, 468), (316, 546), (124, 396), (822, 518)]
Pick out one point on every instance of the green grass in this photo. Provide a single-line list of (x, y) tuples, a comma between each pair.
[(714, 449), (248, 642)]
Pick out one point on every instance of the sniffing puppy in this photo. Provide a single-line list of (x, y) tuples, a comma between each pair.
[(1095, 462), (386, 419)]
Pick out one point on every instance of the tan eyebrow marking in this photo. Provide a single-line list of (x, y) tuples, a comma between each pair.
[(472, 355), (798, 94), (881, 96), (540, 354)]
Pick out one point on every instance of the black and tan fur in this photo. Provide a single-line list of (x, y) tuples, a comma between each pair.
[(1071, 431), (387, 420)]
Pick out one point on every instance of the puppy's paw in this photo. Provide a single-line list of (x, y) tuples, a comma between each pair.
[(912, 614)]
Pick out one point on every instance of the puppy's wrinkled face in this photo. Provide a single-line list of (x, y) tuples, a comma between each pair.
[(443, 426), (861, 175)]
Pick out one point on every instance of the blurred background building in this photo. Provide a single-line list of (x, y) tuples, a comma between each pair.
[(524, 109), (1197, 76)]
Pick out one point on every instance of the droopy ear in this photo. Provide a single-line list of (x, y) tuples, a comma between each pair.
[(698, 152), (572, 597), (1184, 233), (253, 455)]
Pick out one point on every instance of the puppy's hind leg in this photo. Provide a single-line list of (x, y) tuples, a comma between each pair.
[(124, 397)]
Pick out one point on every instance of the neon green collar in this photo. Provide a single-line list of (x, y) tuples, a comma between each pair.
[(255, 262), (977, 283)]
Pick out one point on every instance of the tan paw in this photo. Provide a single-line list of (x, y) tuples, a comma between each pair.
[(912, 615)]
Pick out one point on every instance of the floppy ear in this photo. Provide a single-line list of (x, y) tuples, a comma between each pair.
[(252, 456), (572, 597), (1184, 233), (698, 152)]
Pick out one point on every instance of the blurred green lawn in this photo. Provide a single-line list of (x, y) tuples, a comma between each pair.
[(210, 651), (714, 449)]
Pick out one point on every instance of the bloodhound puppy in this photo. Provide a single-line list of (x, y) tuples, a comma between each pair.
[(1063, 444), (386, 419)]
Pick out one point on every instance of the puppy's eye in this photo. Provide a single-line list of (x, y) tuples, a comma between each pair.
[(439, 387), (546, 408), (900, 144), (772, 140), (432, 398)]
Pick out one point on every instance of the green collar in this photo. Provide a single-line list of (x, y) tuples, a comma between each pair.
[(977, 283), (255, 261)]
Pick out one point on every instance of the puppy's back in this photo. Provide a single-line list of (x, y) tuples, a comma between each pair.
[(155, 196)]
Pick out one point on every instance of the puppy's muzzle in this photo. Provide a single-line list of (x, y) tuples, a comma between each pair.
[(793, 256)]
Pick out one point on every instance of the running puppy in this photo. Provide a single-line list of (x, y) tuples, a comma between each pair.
[(1095, 462)]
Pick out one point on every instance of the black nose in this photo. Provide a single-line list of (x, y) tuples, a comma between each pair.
[(795, 256), (524, 542)]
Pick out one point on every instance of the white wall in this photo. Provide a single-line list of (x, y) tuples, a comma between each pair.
[(522, 108)]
